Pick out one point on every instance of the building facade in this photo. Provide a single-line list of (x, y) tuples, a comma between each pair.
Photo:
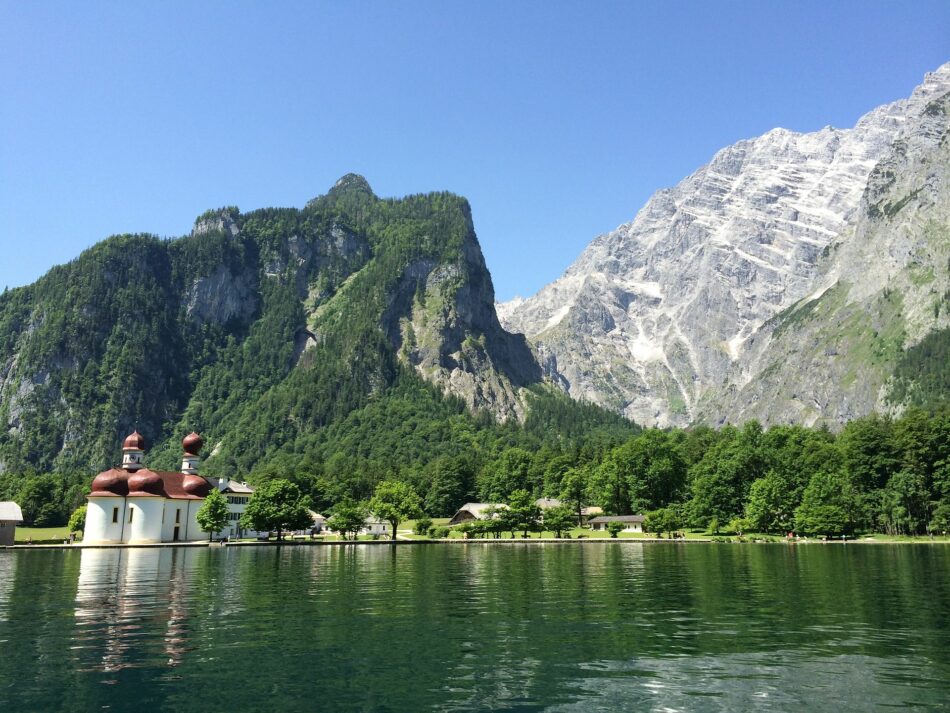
[(238, 495), (631, 523)]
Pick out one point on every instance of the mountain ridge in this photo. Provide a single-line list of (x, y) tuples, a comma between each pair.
[(653, 318)]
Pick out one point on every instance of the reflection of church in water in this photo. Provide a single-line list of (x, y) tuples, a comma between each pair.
[(136, 505), (131, 607)]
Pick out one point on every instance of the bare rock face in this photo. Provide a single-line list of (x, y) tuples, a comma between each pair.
[(221, 297), (222, 220), (449, 332), (663, 318), (884, 286)]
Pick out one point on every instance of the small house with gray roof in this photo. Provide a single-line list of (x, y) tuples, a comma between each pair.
[(474, 511), (10, 517)]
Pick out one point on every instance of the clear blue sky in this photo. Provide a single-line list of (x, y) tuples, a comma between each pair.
[(556, 120)]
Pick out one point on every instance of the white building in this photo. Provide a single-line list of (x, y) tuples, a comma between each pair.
[(136, 505), (630, 523), (474, 511), (375, 526), (238, 495)]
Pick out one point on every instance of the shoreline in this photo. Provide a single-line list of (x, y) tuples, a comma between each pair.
[(459, 541)]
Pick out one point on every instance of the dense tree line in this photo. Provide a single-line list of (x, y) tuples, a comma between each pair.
[(877, 474)]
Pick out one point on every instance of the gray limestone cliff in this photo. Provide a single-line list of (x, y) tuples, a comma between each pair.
[(668, 318)]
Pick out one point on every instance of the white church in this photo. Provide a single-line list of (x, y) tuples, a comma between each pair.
[(135, 505)]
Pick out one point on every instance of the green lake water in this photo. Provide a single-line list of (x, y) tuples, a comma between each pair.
[(571, 627)]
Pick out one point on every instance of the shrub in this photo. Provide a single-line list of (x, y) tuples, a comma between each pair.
[(423, 525)]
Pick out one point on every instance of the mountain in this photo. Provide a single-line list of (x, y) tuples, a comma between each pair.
[(715, 303), (259, 329)]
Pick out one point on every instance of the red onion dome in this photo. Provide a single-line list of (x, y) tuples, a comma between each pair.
[(146, 482), (134, 441), (192, 443), (111, 482), (196, 485)]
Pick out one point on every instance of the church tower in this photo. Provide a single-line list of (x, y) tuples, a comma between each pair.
[(133, 452), (192, 444)]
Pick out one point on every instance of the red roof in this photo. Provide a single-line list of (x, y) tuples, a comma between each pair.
[(192, 443), (149, 483)]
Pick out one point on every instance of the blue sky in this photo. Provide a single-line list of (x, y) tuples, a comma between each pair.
[(557, 120)]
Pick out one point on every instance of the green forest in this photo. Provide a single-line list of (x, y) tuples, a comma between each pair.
[(280, 335)]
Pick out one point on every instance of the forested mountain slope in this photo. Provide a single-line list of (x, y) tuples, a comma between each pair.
[(259, 329)]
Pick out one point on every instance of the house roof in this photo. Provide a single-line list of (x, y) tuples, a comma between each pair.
[(10, 511), (233, 486), (617, 518), (546, 503), (592, 510), (478, 509)]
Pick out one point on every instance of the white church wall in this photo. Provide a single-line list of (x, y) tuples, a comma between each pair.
[(105, 520), (146, 520), (193, 530)]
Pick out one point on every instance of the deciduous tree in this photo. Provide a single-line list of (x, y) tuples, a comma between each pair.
[(395, 501), (558, 519), (348, 517), (213, 514), (277, 505)]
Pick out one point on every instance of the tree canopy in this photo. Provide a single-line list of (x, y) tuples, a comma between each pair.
[(213, 514), (277, 505), (395, 501)]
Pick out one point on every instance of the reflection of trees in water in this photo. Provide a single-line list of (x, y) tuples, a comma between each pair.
[(472, 626)]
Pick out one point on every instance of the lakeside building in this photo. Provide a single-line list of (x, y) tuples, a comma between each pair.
[(319, 522), (478, 511), (10, 517), (133, 504), (238, 495), (587, 512), (631, 523), (375, 526), (473, 511)]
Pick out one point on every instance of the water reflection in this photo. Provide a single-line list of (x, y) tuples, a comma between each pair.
[(7, 573), (475, 627), (131, 604)]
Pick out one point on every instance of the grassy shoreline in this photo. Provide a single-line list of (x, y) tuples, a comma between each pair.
[(53, 538)]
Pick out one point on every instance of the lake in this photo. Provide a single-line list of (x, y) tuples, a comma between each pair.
[(463, 627)]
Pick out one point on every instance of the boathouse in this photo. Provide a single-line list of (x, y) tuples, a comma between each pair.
[(10, 517)]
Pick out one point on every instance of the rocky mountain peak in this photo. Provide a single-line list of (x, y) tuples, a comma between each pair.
[(352, 182), (655, 317)]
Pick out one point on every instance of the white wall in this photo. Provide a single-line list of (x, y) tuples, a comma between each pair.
[(99, 526), (146, 525), (174, 509), (627, 526), (375, 528), (193, 530)]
